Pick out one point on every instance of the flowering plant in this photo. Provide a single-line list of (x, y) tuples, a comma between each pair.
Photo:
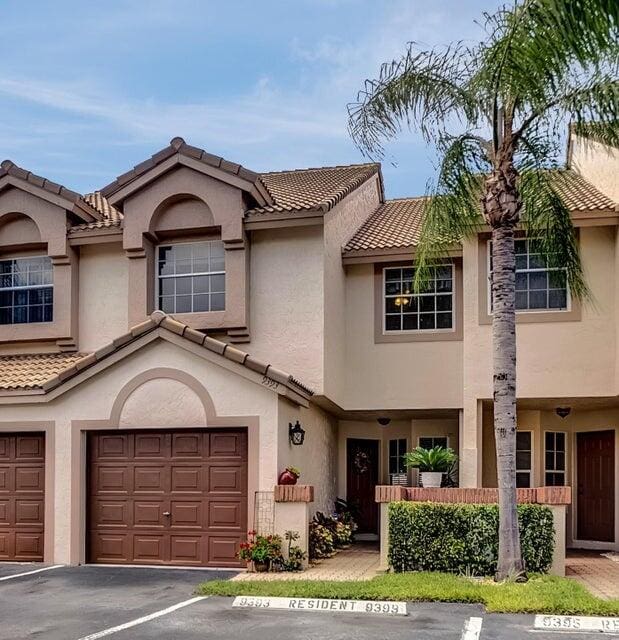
[(260, 548)]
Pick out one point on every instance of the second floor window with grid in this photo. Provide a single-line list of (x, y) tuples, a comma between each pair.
[(26, 290), (538, 287), (429, 310), (191, 277), (555, 458)]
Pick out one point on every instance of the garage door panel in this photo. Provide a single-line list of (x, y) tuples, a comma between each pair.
[(152, 445), (149, 548), (225, 515), (29, 448), (222, 550), (28, 512), (179, 472), (22, 496), (109, 479), (227, 445), (29, 479), (150, 479), (28, 546), (111, 446), (187, 445)]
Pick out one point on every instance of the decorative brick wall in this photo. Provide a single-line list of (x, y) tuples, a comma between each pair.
[(293, 493), (539, 495)]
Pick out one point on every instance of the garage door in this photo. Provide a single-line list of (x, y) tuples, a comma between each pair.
[(167, 497), (22, 496)]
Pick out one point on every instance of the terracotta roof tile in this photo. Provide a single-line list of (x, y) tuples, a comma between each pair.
[(112, 217), (31, 371), (47, 371), (318, 189), (397, 223)]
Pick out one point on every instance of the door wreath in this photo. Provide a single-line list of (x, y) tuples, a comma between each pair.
[(361, 462)]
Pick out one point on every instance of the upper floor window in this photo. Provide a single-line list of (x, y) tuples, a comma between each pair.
[(26, 290), (191, 277), (555, 458), (538, 287), (431, 309)]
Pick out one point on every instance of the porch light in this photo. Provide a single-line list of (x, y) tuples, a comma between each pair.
[(296, 433), (401, 301), (563, 412)]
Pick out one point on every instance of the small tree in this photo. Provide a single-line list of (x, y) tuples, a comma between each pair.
[(540, 64)]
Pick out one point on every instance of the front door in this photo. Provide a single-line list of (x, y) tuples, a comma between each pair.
[(361, 481), (595, 502)]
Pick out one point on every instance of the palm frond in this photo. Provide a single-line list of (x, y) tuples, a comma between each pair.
[(452, 212), (422, 89)]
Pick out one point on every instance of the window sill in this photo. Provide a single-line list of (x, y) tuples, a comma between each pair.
[(534, 317), (418, 336)]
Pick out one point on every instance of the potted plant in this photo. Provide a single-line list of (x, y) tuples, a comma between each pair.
[(432, 464), (260, 550), (289, 475)]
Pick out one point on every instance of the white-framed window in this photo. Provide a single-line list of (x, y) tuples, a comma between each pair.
[(432, 309), (26, 290), (429, 442), (538, 287), (397, 470), (524, 459), (191, 277), (555, 458)]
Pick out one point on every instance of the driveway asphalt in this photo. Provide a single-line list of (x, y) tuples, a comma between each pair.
[(131, 603)]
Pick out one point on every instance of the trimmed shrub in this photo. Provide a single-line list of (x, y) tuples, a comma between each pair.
[(464, 538)]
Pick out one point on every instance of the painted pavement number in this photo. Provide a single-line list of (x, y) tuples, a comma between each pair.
[(322, 604), (577, 623)]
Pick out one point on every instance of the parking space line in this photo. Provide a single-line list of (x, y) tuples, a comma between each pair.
[(472, 629), (142, 620), (29, 573)]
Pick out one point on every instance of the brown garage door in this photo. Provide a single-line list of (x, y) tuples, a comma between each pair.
[(22, 496), (167, 497)]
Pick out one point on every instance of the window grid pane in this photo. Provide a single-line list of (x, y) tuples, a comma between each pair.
[(429, 310), (191, 277), (537, 287), (555, 458), (524, 458), (26, 290)]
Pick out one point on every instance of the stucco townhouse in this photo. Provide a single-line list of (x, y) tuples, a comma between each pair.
[(170, 343)]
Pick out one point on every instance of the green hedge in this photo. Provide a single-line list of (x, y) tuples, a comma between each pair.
[(463, 538)]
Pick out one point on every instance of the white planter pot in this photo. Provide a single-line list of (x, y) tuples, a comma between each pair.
[(431, 478)]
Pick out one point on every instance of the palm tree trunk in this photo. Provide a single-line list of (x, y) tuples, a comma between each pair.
[(504, 365)]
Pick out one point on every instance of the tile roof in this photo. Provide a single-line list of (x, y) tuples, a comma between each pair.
[(397, 223), (178, 145), (47, 371), (112, 217), (7, 167), (318, 189), (31, 371)]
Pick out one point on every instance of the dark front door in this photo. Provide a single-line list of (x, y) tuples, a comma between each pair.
[(595, 502), (361, 480)]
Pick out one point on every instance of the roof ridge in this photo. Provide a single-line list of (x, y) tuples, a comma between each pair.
[(324, 168)]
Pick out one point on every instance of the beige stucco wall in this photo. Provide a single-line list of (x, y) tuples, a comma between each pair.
[(339, 225), (598, 163), (154, 403), (286, 308), (403, 375), (103, 294), (316, 459)]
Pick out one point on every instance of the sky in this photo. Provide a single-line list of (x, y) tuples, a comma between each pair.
[(90, 88)]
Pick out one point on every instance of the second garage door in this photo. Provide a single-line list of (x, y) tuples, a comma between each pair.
[(167, 497)]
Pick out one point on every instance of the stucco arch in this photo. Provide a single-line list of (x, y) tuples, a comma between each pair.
[(18, 228), (163, 397), (179, 212)]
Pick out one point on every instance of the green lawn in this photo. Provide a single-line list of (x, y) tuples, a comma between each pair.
[(541, 594)]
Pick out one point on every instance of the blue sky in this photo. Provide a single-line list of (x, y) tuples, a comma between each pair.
[(88, 89)]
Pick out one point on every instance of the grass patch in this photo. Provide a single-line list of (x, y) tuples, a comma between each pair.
[(541, 594)]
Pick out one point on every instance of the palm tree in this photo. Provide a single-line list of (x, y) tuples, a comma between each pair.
[(494, 112)]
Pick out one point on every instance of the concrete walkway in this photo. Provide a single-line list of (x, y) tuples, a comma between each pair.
[(599, 574), (360, 562)]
